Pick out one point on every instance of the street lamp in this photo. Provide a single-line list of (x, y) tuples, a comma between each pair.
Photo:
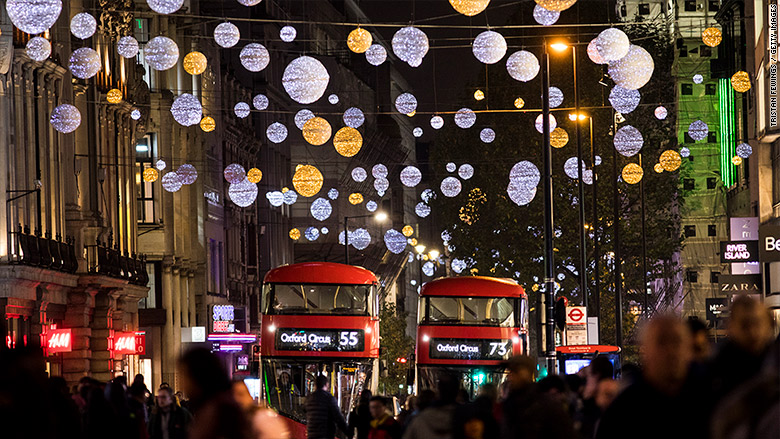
[(433, 254), (549, 268), (379, 217), (420, 249)]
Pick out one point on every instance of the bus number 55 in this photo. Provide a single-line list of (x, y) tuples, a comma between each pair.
[(498, 348), (348, 338)]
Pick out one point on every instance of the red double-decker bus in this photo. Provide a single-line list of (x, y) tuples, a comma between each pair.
[(470, 326), (317, 318)]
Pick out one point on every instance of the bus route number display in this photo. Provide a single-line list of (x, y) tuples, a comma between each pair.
[(330, 340), (470, 349)]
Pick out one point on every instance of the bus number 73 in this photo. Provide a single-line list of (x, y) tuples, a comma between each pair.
[(497, 347)]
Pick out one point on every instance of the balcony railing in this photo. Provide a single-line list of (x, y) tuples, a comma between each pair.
[(105, 260), (36, 250)]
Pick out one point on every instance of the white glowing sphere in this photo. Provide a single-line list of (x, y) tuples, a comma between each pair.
[(450, 187), (465, 118), (227, 34), (187, 173), (381, 185), (428, 268), (276, 132), (519, 195), (84, 63), (371, 206), (234, 173), (422, 210), (135, 114), (161, 53), (522, 66), (83, 25), (633, 70), (38, 48), (65, 118), (406, 103), (489, 47), (556, 97), (333, 193), (427, 195), (698, 130), (570, 167), (379, 171), (524, 175), (186, 110), (628, 141), (539, 123), (545, 17), (359, 174), (395, 241), (466, 171), (410, 45), (160, 164), (165, 6), (624, 101), (241, 109), (376, 54), (698, 79), (303, 116), (660, 112), (411, 176), (450, 167), (612, 44), (593, 52), (305, 79), (260, 102), (487, 135), (255, 57), (324, 230), (242, 193), (275, 198), (311, 233), (290, 197), (744, 150), (437, 122), (33, 16), (417, 132), (250, 2), (333, 99), (321, 209), (353, 117), (288, 34), (458, 265), (127, 47), (171, 181)]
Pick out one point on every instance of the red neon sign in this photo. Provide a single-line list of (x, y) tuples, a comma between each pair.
[(58, 340), (131, 343)]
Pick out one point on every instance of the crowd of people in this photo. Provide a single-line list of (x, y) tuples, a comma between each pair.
[(684, 387)]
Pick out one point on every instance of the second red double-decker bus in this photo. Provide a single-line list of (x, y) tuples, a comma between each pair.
[(318, 318), (469, 326)]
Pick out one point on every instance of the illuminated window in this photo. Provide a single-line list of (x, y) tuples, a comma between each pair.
[(145, 152)]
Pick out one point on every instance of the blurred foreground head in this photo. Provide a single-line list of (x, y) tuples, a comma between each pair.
[(666, 352), (750, 325), (521, 370), (202, 375)]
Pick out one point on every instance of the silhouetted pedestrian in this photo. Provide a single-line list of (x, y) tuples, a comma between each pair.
[(168, 420), (322, 412), (436, 421), (383, 426), (359, 421)]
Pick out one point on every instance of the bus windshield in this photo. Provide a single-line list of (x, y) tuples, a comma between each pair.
[(482, 311), (319, 299)]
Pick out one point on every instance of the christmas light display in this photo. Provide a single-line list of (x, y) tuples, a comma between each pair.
[(305, 79), (186, 110)]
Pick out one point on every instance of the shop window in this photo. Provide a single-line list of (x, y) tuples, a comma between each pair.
[(145, 153), (153, 297), (690, 231), (712, 230)]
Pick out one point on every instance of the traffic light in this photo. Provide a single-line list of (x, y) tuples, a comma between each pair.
[(478, 377), (560, 313)]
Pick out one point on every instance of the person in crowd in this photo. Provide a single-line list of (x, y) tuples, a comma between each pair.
[(266, 423), (139, 394), (63, 411), (322, 412), (360, 418), (287, 392), (436, 421), (701, 341), (383, 425), (597, 373), (181, 400), (168, 420), (410, 405), (665, 392), (216, 414), (136, 403), (478, 419)]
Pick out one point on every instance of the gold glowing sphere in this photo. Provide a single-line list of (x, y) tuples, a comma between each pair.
[(658, 168), (559, 138), (316, 131), (207, 124), (151, 175), (712, 36), (740, 81), (285, 189), (736, 160), (519, 103), (556, 5), (469, 8), (295, 234), (408, 231), (359, 40), (195, 63), (412, 113), (413, 242), (670, 160), (355, 198), (479, 95), (307, 180), (632, 173), (114, 96), (254, 175), (347, 141)]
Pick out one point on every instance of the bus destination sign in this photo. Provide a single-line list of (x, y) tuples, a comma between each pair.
[(470, 349), (331, 340)]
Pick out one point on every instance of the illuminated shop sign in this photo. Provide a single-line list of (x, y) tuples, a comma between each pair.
[(59, 340), (222, 317), (738, 251), (341, 340), (470, 349), (131, 343)]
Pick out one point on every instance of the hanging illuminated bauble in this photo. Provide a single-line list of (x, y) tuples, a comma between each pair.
[(712, 36), (670, 160), (114, 96), (347, 141), (522, 66), (489, 47), (241, 109), (376, 54), (479, 95), (250, 2), (276, 132), (161, 53), (234, 173), (187, 174), (487, 135), (559, 137), (359, 40), (303, 116), (316, 131), (288, 34), (295, 234), (83, 25), (698, 130), (593, 52), (612, 44), (417, 132), (405, 103), (525, 175), (321, 209), (685, 152), (311, 233), (307, 180), (353, 117), (458, 265), (290, 197), (84, 63), (395, 241), (65, 118), (556, 97), (744, 150), (227, 34), (160, 164), (736, 160), (465, 118), (381, 185), (450, 167), (410, 45), (570, 167), (469, 8), (333, 193), (556, 5), (165, 6), (519, 103), (740, 81), (151, 175), (539, 123), (275, 198), (171, 182), (255, 57), (127, 47), (632, 173), (628, 141), (355, 198), (466, 171), (519, 195), (422, 210), (359, 174), (186, 110), (428, 268), (360, 239), (411, 176), (195, 63), (254, 175), (38, 48), (658, 168), (624, 101), (545, 17), (324, 230), (634, 70), (305, 79), (333, 99), (660, 112), (437, 122), (379, 171), (450, 187), (260, 102), (33, 16)]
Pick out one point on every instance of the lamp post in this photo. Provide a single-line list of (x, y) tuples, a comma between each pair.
[(379, 216), (549, 269), (420, 250)]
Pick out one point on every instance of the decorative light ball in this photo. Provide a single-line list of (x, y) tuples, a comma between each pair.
[(711, 36), (381, 185), (276, 132), (593, 52), (160, 164), (333, 99), (316, 131), (469, 8), (307, 180), (250, 2), (624, 101), (161, 53), (736, 160), (360, 239), (559, 137), (275, 198), (195, 63), (450, 187), (524, 175), (465, 118), (519, 195), (254, 175), (417, 132), (634, 70), (556, 5), (288, 34), (660, 112), (333, 193), (186, 110), (254, 57), (539, 123), (226, 35), (410, 45), (487, 135), (698, 79), (305, 79), (208, 124), (84, 63), (658, 168), (545, 17), (38, 48), (260, 102), (379, 171), (670, 160), (303, 116), (135, 114), (522, 66), (324, 230), (33, 16), (411, 176), (466, 171), (519, 103), (295, 234), (151, 175), (744, 150), (347, 141), (406, 103), (187, 174), (359, 40), (479, 95), (698, 130), (597, 160), (428, 268), (437, 122), (395, 241), (321, 209), (355, 198), (458, 265), (422, 210), (311, 233), (353, 117), (359, 174), (407, 231), (612, 44), (83, 25), (628, 141), (127, 47), (376, 54), (165, 6), (234, 173), (570, 167), (65, 118), (740, 81), (632, 173), (685, 152), (489, 47), (289, 197), (371, 206), (556, 97), (241, 109), (171, 182)]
